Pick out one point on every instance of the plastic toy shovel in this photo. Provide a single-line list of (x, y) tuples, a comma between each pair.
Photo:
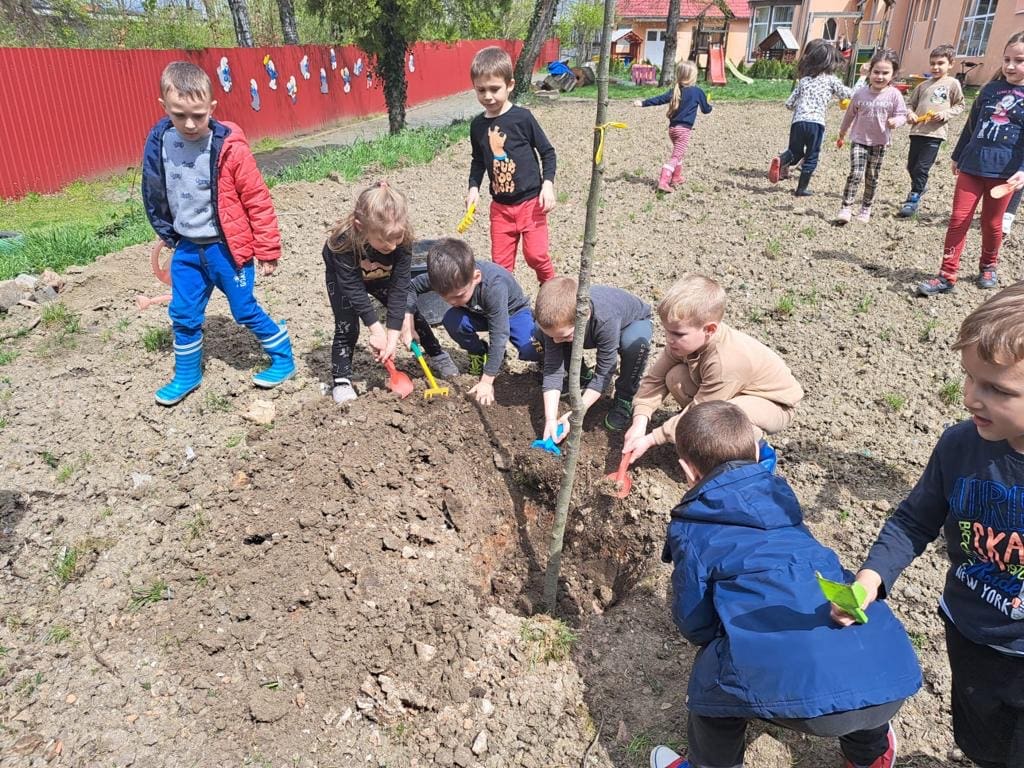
[(549, 444), (398, 382), (849, 597), (1002, 190), (623, 482)]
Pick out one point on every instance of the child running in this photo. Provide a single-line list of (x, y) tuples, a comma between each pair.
[(873, 112), (931, 105), (816, 87), (683, 101), (971, 492), (506, 140), (990, 152), (206, 199), (744, 589), (369, 253)]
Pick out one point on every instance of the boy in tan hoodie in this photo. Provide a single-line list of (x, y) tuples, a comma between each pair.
[(704, 359)]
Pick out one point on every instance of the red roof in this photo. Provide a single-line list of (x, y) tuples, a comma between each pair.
[(688, 9)]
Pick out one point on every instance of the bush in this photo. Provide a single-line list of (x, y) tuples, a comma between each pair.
[(771, 69)]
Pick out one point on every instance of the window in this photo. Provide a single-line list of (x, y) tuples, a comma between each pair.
[(830, 30), (976, 27), (766, 19), (654, 35)]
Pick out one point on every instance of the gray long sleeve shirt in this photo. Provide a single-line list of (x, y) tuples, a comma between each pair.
[(189, 189), (495, 300), (611, 310)]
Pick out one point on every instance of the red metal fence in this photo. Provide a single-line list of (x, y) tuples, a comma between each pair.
[(66, 114)]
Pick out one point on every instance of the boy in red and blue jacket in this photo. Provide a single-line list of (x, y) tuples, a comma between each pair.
[(206, 199)]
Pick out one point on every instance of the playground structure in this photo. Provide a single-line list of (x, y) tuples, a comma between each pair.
[(707, 46)]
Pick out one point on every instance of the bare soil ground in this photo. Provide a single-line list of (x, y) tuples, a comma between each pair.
[(352, 586)]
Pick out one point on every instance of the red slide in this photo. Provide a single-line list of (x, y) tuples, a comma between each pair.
[(716, 65)]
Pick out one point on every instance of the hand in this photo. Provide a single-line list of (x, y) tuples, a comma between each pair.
[(840, 141), (267, 267), (892, 122), (912, 117), (547, 196), (473, 197), (871, 582), (636, 432), (378, 341), (1017, 180), (551, 429), (640, 447), (407, 332), (484, 391), (956, 168), (865, 69), (638, 102)]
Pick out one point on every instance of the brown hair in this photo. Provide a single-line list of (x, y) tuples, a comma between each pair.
[(712, 433), (450, 265), (187, 79), (1016, 37), (885, 54), (556, 303), (694, 299), (381, 211), (996, 328), (944, 51), (491, 62), (686, 75)]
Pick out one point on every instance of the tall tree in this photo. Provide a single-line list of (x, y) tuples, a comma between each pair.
[(242, 22), (288, 26), (540, 28), (668, 61)]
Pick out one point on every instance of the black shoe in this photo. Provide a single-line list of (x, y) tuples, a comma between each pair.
[(620, 416), (586, 376)]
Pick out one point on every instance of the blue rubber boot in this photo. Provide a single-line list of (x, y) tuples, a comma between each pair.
[(282, 363), (188, 373)]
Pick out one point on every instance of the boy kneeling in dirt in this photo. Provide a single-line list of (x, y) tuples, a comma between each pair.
[(619, 328), (206, 199), (745, 589), (972, 489), (704, 360), (485, 298)]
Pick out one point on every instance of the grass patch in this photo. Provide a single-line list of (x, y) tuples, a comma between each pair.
[(8, 356), (156, 339), (267, 144), (928, 331), (951, 392), (57, 635), (759, 90), (894, 401), (863, 305), (197, 526), (65, 565), (547, 639), (785, 305), (150, 594), (412, 147), (60, 317), (217, 402), (638, 749)]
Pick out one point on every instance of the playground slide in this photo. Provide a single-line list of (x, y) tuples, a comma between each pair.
[(716, 65), (737, 74)]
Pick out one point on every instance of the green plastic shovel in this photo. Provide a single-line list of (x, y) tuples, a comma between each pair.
[(849, 597)]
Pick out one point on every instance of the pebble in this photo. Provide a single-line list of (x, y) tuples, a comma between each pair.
[(480, 743)]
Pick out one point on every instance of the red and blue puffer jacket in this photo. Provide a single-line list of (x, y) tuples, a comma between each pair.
[(242, 208)]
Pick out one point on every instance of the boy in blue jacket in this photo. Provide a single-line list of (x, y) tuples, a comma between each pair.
[(745, 590)]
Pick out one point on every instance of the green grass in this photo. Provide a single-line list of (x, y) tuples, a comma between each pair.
[(156, 339), (65, 565), (57, 635), (217, 402), (197, 526), (863, 305), (8, 356), (951, 392), (759, 90), (547, 639), (267, 144), (894, 401), (638, 749), (785, 305), (149, 595)]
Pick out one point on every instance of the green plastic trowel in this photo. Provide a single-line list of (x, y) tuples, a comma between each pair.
[(849, 597)]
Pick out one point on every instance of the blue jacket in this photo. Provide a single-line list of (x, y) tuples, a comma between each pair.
[(690, 98), (745, 590), (992, 141)]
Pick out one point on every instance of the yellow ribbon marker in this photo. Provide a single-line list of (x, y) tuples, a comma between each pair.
[(467, 220), (600, 146)]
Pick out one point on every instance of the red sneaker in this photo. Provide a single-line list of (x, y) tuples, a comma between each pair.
[(887, 760)]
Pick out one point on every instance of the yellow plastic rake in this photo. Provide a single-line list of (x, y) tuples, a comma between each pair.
[(417, 350)]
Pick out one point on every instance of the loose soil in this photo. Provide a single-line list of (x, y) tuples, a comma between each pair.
[(354, 585)]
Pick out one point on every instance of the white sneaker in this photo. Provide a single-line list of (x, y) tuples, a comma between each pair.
[(1007, 223), (443, 366), (343, 391), (865, 214), (844, 215), (663, 757)]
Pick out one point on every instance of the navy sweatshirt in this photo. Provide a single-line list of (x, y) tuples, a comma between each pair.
[(992, 141), (348, 273), (506, 147), (690, 98), (973, 491), (495, 299)]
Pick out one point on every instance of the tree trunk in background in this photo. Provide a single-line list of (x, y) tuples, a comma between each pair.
[(572, 451), (210, 7), (668, 62), (288, 26), (390, 65), (243, 26), (540, 28)]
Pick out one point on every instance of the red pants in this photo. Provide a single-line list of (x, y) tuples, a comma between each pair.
[(526, 220), (970, 190)]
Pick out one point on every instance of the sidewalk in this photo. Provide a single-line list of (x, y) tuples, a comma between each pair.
[(434, 114)]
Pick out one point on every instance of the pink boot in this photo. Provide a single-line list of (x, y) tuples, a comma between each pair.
[(666, 177), (677, 176)]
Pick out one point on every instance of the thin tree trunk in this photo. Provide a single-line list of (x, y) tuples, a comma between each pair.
[(390, 66), (668, 61), (540, 28), (243, 25), (582, 316), (288, 27), (210, 7)]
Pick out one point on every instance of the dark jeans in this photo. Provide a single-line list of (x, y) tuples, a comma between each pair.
[(923, 151), (719, 742), (804, 143), (988, 702), (634, 348), (346, 327)]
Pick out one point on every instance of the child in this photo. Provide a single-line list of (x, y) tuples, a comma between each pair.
[(990, 152), (206, 200), (1011, 212), (369, 254), (931, 104), (484, 298), (815, 89), (971, 490), (745, 590), (873, 112), (506, 140), (619, 327), (683, 101), (705, 359)]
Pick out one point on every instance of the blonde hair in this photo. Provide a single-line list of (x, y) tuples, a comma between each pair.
[(556, 303), (381, 211), (996, 328), (187, 79), (686, 75), (491, 62), (693, 299)]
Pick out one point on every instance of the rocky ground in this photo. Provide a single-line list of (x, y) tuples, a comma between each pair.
[(297, 584)]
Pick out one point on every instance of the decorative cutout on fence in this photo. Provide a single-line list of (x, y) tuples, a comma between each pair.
[(224, 74), (347, 78), (254, 96), (334, 60), (293, 89), (323, 80), (304, 67), (268, 64)]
